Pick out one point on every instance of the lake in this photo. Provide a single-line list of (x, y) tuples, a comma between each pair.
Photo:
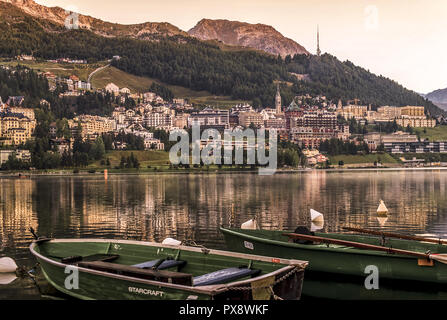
[(193, 206)]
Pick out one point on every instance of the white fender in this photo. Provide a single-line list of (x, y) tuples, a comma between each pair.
[(7, 265), (250, 225), (7, 278), (171, 242)]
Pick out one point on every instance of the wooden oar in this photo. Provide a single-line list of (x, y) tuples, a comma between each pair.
[(395, 235), (437, 257)]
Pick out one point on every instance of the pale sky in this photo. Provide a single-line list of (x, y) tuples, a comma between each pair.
[(405, 40)]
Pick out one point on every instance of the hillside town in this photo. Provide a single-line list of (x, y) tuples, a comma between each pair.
[(307, 122)]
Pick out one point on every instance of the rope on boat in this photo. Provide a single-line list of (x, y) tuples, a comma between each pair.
[(192, 243), (270, 287), (275, 297), (21, 272)]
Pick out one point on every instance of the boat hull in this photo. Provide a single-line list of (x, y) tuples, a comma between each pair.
[(99, 285), (94, 286), (336, 262)]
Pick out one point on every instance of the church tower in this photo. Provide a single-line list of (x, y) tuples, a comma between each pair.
[(278, 102), (340, 106), (318, 41)]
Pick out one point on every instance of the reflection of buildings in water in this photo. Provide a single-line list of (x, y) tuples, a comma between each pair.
[(413, 198), (348, 199), (134, 206), (153, 207), (16, 212), (292, 197), (194, 206)]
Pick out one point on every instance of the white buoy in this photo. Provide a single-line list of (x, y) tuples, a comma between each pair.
[(171, 242), (250, 225), (7, 265), (7, 278), (382, 209), (315, 226), (382, 220), (316, 217)]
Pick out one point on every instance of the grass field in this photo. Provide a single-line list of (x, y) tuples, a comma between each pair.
[(146, 158), (369, 158), (59, 69), (160, 160), (216, 101), (155, 161), (438, 133), (141, 84), (123, 79)]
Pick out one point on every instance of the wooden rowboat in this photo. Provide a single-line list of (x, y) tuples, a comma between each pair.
[(342, 259), (122, 269)]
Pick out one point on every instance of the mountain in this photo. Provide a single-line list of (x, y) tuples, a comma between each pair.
[(438, 97), (257, 36), (198, 65), (58, 16)]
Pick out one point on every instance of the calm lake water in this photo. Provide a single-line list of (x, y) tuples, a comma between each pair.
[(153, 207)]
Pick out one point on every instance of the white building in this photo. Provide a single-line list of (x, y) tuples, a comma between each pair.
[(149, 97), (210, 117), (84, 85), (158, 119), (112, 88), (125, 91)]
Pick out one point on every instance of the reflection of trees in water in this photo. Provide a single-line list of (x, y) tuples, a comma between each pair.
[(194, 206), (15, 213)]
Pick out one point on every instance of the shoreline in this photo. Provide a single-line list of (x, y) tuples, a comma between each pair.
[(67, 172)]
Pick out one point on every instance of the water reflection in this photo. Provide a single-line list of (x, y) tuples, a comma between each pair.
[(153, 207)]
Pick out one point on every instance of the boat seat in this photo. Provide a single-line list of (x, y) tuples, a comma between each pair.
[(166, 264), (148, 274), (224, 276)]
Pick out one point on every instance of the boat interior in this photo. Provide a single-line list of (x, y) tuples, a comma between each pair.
[(183, 267)]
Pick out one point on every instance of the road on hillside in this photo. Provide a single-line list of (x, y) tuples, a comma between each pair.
[(97, 70)]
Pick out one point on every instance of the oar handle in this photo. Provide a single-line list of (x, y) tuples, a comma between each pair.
[(394, 235)]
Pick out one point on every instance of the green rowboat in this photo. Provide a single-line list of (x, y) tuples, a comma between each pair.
[(345, 260), (122, 269)]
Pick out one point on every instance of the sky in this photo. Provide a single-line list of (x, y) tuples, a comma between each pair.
[(405, 40)]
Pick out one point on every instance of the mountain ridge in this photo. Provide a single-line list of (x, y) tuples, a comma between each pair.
[(59, 15), (438, 97), (258, 36), (247, 75)]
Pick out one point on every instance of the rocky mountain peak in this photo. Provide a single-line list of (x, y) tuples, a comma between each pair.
[(258, 36), (59, 15)]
